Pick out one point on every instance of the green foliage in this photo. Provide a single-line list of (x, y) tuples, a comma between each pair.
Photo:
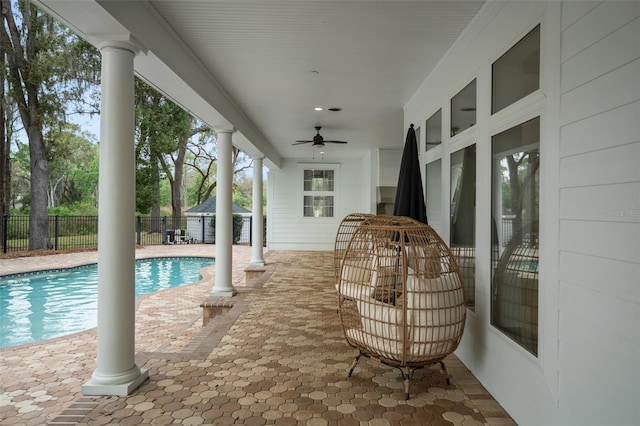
[(242, 189), (241, 199), (43, 82), (73, 164), (20, 174), (62, 78), (506, 197), (61, 211), (161, 125), (145, 197), (18, 229), (73, 210), (165, 193)]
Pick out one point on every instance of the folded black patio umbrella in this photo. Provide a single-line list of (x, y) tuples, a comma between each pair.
[(409, 194)]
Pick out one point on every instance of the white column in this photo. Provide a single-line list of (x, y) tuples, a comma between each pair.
[(224, 220), (257, 225), (116, 372)]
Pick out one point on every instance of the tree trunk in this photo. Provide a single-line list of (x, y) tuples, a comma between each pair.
[(25, 91), (514, 184), (38, 218), (176, 184), (5, 165)]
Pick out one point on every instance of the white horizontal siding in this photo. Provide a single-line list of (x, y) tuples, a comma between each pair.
[(614, 89), (599, 238), (609, 203), (600, 376), (601, 21), (607, 166), (618, 48), (612, 277), (615, 127), (604, 239), (572, 11), (289, 229), (594, 309)]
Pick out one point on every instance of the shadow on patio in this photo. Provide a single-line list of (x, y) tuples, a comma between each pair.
[(276, 357)]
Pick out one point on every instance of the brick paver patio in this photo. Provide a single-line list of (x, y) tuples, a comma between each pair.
[(277, 356)]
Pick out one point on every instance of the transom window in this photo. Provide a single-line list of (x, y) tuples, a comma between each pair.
[(434, 130), (463, 109), (318, 193), (516, 73)]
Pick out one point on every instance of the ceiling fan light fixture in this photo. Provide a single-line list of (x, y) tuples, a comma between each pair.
[(318, 109)]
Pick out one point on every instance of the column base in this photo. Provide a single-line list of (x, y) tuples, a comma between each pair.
[(229, 292), (92, 387), (257, 263)]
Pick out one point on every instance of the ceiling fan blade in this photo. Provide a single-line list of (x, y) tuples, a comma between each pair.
[(301, 142), (326, 141)]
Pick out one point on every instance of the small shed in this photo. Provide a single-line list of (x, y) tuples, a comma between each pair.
[(200, 221)]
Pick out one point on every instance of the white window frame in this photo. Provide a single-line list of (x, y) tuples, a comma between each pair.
[(318, 166)]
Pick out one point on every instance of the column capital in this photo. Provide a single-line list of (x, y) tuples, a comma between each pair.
[(118, 41), (230, 130)]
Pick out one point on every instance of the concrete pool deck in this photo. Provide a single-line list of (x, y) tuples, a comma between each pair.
[(276, 357)]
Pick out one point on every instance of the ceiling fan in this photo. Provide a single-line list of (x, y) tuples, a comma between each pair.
[(318, 140)]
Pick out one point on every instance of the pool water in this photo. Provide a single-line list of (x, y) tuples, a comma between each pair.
[(47, 304)]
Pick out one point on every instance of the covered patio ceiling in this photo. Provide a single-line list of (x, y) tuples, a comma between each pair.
[(262, 67)]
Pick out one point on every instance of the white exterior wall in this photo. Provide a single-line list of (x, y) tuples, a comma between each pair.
[(599, 265), (287, 229), (588, 366)]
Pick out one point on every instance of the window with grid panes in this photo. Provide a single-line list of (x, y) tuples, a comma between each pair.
[(318, 193)]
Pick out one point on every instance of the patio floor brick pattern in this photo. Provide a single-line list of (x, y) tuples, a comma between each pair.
[(277, 356)]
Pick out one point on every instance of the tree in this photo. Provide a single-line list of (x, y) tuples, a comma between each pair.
[(177, 165), (242, 190), (203, 160), (73, 165), (162, 129), (164, 145), (39, 52), (20, 174), (5, 164)]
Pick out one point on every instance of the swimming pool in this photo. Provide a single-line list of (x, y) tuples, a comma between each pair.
[(43, 305)]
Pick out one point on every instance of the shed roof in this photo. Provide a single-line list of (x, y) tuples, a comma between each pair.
[(209, 207)]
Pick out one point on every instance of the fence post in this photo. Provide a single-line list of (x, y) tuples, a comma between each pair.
[(55, 231), (138, 230), (5, 231)]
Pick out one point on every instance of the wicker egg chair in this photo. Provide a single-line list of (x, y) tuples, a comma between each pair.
[(400, 296)]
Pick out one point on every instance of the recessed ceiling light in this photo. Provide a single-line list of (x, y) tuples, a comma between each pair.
[(318, 108), (335, 109)]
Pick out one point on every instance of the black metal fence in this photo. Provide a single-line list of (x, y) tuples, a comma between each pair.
[(78, 232)]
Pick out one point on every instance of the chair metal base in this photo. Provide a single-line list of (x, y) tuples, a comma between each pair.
[(407, 372)]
